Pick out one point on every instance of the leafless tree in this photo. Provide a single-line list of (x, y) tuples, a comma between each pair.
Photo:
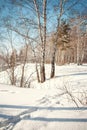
[(56, 39), (80, 46), (9, 57), (42, 34)]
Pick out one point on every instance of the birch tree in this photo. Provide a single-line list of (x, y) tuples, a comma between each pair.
[(56, 39), (42, 34), (80, 48)]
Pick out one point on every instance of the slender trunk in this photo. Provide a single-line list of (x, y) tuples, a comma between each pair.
[(42, 73), (55, 44), (37, 72), (78, 52), (79, 44), (13, 77), (22, 77), (53, 63), (42, 34), (12, 68), (42, 68), (36, 65), (75, 56)]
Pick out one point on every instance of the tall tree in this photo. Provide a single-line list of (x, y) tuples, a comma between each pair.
[(56, 39), (42, 34)]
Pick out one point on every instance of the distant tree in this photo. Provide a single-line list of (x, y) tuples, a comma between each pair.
[(63, 42), (78, 38), (12, 65)]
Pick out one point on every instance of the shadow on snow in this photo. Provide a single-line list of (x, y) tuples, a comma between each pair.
[(34, 108), (42, 108)]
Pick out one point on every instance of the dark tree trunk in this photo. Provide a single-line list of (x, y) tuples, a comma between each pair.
[(22, 77), (42, 68), (42, 73), (53, 64)]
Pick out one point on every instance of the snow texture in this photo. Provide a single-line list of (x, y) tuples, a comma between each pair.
[(45, 106)]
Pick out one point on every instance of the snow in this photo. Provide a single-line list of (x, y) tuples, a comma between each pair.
[(45, 106)]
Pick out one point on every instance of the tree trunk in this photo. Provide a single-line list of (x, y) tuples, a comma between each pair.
[(12, 68), (25, 59), (42, 68), (55, 44), (42, 34), (53, 63), (13, 76), (37, 72), (22, 77), (42, 73)]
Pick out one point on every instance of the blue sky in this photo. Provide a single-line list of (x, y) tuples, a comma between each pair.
[(4, 4), (10, 9), (13, 12)]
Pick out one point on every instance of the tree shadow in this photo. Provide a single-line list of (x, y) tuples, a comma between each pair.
[(57, 119), (30, 109), (42, 108), (84, 65), (73, 74), (65, 75), (5, 116)]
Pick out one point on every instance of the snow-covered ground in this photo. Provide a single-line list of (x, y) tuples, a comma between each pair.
[(47, 106)]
